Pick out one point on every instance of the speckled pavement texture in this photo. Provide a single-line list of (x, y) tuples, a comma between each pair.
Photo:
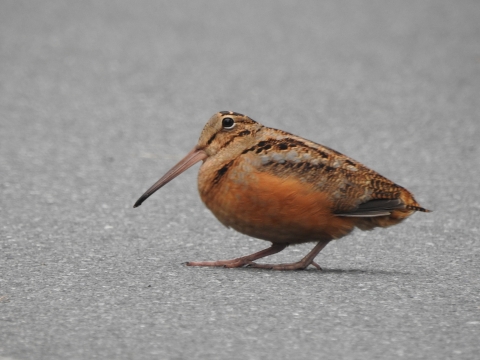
[(98, 99)]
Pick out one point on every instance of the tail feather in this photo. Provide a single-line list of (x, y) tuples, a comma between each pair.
[(417, 208)]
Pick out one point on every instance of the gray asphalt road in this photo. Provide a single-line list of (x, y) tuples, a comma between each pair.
[(99, 99)]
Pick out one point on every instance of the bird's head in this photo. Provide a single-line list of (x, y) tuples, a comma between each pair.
[(227, 134)]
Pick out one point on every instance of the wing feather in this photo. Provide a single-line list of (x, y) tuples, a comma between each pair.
[(374, 208)]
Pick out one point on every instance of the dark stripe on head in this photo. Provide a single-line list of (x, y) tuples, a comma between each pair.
[(244, 132), (211, 139), (231, 113), (240, 134)]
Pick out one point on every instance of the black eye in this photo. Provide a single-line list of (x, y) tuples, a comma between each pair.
[(228, 123)]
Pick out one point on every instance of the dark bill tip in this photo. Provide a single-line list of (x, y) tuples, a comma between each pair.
[(188, 161)]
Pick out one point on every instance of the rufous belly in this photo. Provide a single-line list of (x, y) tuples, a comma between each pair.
[(279, 210)]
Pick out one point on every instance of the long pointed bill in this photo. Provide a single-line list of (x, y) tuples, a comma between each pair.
[(188, 161)]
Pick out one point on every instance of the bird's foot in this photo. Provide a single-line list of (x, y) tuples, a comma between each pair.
[(234, 263), (241, 261), (300, 265)]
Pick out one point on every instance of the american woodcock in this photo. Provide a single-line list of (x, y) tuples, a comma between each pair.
[(275, 186)]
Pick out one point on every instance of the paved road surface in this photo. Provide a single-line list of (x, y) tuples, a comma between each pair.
[(99, 99)]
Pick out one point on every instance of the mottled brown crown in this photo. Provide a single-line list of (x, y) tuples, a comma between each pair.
[(218, 138)]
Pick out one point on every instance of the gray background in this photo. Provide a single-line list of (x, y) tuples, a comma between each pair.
[(99, 98)]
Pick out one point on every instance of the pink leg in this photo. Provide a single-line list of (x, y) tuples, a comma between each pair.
[(241, 261), (300, 265)]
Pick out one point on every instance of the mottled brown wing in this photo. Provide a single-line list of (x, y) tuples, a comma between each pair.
[(354, 189)]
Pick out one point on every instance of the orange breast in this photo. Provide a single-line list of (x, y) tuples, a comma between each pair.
[(267, 207)]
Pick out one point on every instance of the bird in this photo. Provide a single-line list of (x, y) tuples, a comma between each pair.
[(275, 186)]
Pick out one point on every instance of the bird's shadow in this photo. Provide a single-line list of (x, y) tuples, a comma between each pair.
[(361, 272), (324, 271)]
